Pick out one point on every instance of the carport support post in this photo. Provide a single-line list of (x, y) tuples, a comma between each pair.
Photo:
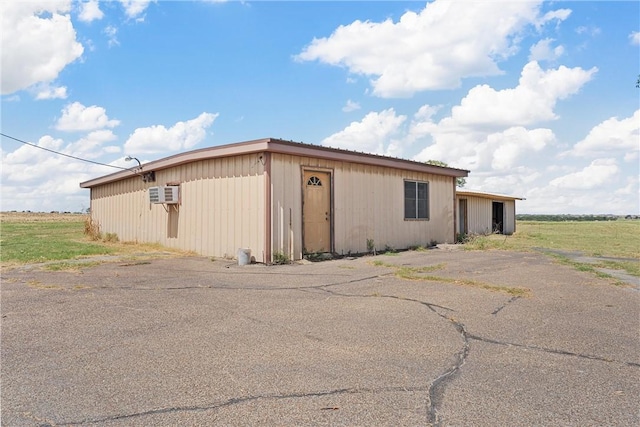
[(455, 216)]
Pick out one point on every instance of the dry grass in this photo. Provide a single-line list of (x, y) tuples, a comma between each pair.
[(418, 274), (92, 229), (22, 217)]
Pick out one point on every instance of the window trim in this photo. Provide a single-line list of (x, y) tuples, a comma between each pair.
[(417, 200)]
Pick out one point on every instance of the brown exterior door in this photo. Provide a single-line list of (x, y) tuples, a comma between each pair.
[(316, 211)]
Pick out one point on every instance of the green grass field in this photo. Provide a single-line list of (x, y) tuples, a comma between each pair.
[(23, 241), (615, 239), (620, 239), (30, 238), (36, 237)]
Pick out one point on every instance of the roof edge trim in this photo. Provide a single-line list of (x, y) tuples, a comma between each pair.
[(281, 147)]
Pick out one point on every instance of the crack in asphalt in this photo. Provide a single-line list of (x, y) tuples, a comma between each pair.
[(509, 301), (435, 389), (552, 351), (240, 400)]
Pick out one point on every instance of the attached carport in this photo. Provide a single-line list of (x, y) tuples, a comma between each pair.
[(485, 213)]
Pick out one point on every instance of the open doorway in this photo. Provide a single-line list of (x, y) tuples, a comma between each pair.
[(462, 217), (497, 217)]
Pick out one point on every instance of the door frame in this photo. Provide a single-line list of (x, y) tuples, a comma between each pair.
[(330, 171)]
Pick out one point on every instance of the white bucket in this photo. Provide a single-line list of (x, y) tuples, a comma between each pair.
[(244, 256)]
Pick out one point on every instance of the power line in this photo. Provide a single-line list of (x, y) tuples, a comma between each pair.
[(62, 154)]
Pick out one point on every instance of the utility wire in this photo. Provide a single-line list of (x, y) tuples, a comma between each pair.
[(62, 154)]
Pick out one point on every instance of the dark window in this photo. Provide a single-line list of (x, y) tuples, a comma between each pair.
[(314, 181), (416, 200)]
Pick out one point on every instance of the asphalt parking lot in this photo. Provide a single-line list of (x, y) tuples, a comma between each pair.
[(441, 337)]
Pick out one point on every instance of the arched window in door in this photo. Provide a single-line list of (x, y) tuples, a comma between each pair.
[(314, 181)]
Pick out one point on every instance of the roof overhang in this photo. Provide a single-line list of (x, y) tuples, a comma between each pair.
[(487, 195), (270, 145)]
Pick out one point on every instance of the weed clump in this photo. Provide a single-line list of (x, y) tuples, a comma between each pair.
[(280, 258), (111, 237), (371, 246), (92, 229)]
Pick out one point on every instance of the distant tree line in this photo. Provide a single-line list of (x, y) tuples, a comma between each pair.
[(567, 217)]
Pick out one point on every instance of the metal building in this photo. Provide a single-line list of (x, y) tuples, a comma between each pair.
[(485, 213), (278, 199)]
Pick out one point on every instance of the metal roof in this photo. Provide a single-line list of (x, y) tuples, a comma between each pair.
[(272, 145), (484, 195)]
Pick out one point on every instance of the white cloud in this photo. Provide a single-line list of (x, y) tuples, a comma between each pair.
[(112, 35), (495, 152), (549, 199), (422, 123), (532, 101), (350, 106), (487, 131), (631, 189), (40, 180), (433, 49), (135, 8), (496, 134), (634, 37), (542, 51), (31, 166), (597, 174), (506, 148), (592, 31), (611, 136), (92, 146), (26, 154), (90, 11), (368, 135), (38, 42), (46, 91), (77, 117), (181, 136), (553, 15)]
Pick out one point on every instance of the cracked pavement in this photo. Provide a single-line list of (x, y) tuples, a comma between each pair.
[(190, 341)]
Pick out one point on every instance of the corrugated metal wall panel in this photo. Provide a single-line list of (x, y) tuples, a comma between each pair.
[(218, 198), (509, 217), (480, 212), (479, 219), (286, 199), (368, 203)]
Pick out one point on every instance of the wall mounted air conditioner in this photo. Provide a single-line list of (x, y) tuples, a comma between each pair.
[(169, 194)]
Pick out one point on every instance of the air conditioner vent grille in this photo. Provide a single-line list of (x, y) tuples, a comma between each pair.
[(154, 195), (169, 194)]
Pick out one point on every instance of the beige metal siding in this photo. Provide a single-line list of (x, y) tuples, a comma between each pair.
[(509, 226), (368, 203), (479, 215), (221, 209), (480, 212)]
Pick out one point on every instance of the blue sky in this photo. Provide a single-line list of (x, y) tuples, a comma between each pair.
[(536, 99)]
